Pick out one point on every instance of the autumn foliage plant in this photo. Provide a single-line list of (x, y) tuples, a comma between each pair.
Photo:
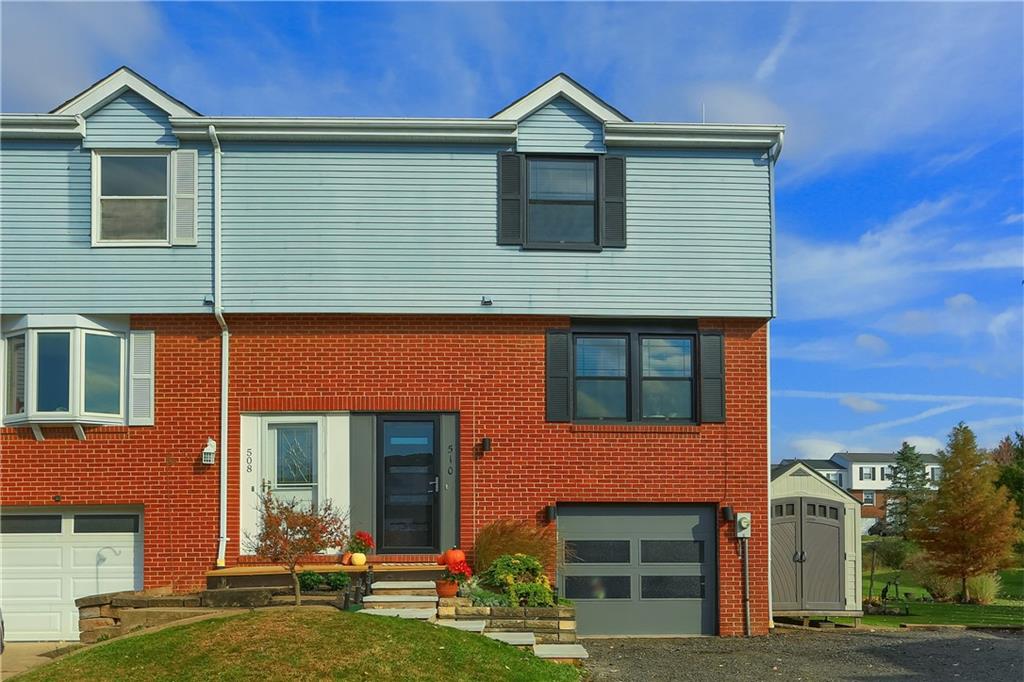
[(458, 572), (291, 530), (509, 536), (362, 542)]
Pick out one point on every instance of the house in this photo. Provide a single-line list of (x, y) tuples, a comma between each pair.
[(554, 313), (867, 475), (815, 547)]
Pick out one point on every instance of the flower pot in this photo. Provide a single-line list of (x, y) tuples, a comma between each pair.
[(447, 588), (358, 559), (346, 558)]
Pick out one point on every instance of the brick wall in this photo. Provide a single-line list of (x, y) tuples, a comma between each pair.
[(875, 511), (490, 369)]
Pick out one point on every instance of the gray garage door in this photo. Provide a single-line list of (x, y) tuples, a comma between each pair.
[(640, 569)]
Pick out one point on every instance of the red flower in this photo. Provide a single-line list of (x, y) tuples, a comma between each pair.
[(365, 538), (459, 570)]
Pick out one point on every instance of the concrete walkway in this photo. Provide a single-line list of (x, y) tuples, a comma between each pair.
[(21, 656)]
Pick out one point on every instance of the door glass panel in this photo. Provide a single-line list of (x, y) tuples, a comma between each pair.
[(671, 551), (53, 372), (833, 513), (106, 523), (671, 586), (295, 462), (597, 587), (790, 510), (597, 551), (409, 480), (30, 523)]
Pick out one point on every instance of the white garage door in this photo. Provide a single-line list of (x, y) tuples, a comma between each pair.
[(50, 557)]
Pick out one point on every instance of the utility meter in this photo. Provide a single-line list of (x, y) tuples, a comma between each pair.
[(743, 524)]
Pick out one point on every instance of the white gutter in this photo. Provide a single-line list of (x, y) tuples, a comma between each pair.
[(349, 129), (225, 346), (36, 126), (708, 135)]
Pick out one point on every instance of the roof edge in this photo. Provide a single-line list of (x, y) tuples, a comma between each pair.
[(561, 85), (114, 84)]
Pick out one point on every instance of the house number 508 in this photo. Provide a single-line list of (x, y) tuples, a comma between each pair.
[(248, 460)]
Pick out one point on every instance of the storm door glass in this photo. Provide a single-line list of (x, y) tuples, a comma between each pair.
[(408, 501)]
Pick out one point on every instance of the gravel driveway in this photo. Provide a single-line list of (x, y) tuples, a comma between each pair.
[(793, 655)]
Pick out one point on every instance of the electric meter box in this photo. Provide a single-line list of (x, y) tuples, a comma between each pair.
[(743, 523)]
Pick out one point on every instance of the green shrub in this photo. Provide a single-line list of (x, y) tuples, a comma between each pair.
[(893, 552), (310, 581), (537, 594), (507, 536), (984, 588), (338, 581), (922, 571), (509, 569), (481, 596)]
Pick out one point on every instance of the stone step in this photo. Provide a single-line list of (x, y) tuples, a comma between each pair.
[(410, 614), (513, 638), (307, 599), (565, 653), (147, 618), (402, 585), (397, 601), (476, 626)]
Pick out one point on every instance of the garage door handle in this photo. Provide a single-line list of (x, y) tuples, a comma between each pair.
[(800, 557)]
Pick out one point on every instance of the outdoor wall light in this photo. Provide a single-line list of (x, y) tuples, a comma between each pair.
[(486, 301), (485, 445), (728, 514), (551, 511)]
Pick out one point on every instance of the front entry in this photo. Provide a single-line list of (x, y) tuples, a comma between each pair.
[(408, 484)]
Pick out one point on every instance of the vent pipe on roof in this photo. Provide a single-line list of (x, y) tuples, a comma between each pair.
[(225, 345)]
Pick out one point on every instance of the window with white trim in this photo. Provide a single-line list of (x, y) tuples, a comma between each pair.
[(67, 369), (133, 201), (836, 477), (867, 473), (869, 498)]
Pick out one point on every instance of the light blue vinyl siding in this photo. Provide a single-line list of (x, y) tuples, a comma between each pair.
[(345, 228), (46, 262), (129, 121), (560, 127)]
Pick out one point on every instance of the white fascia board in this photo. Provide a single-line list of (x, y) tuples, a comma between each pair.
[(692, 135), (559, 86), (348, 129), (114, 85), (14, 126)]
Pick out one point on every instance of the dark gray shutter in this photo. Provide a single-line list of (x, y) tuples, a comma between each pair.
[(613, 189), (712, 377), (511, 175), (558, 368)]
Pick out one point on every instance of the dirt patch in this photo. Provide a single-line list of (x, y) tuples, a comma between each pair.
[(797, 655)]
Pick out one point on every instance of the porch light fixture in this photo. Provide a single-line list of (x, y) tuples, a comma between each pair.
[(485, 445), (728, 514), (551, 512), (486, 301)]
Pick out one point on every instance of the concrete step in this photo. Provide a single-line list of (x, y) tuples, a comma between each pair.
[(562, 653), (411, 614), (147, 618), (411, 588), (397, 601), (513, 638), (476, 626)]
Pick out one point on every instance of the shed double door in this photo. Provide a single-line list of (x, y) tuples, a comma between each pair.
[(808, 558)]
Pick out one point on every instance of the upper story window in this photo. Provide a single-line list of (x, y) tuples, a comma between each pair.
[(936, 473), (133, 198), (887, 472), (73, 369), (645, 371), (867, 473), (145, 198), (562, 203), (836, 477)]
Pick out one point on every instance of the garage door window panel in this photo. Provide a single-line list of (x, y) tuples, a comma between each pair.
[(30, 523), (106, 523), (586, 587), (671, 551), (672, 586), (597, 551)]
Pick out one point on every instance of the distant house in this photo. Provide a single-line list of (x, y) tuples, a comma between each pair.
[(867, 476)]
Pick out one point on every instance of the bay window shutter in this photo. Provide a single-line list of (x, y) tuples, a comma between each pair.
[(613, 206), (141, 378), (511, 215), (558, 367), (184, 225), (712, 377)]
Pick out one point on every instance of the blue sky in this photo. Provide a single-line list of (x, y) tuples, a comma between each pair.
[(899, 198)]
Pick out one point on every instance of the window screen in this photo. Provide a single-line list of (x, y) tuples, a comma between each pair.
[(601, 385), (562, 201), (133, 198), (666, 378)]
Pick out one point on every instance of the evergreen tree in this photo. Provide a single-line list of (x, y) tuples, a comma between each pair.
[(969, 525), (908, 490), (1009, 457)]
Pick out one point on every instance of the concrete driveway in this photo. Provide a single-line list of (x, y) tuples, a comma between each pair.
[(796, 655), (21, 656)]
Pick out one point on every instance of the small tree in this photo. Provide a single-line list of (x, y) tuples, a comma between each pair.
[(1009, 457), (291, 530), (908, 491), (969, 525)]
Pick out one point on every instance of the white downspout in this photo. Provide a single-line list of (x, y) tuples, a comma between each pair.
[(772, 160), (225, 346)]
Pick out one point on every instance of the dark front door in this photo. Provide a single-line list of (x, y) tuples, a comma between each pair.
[(408, 482)]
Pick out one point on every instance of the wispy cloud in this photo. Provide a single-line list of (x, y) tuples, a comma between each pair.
[(858, 404), (941, 162), (768, 65), (901, 397)]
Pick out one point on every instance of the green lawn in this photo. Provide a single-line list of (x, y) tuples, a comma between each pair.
[(303, 644)]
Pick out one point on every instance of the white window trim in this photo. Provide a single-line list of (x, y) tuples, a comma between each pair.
[(31, 326), (269, 479), (871, 494), (97, 189)]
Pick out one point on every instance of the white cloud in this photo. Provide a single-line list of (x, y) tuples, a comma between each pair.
[(925, 444), (768, 65), (961, 316), (1012, 218), (900, 397), (875, 344), (816, 448), (941, 162), (858, 404)]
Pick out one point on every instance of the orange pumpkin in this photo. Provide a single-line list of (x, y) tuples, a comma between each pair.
[(346, 558), (441, 561), (454, 556)]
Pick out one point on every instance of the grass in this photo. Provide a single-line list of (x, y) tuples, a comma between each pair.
[(303, 644), (1007, 610)]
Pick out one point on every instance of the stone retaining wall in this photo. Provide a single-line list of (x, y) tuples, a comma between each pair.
[(549, 625), (103, 616)]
